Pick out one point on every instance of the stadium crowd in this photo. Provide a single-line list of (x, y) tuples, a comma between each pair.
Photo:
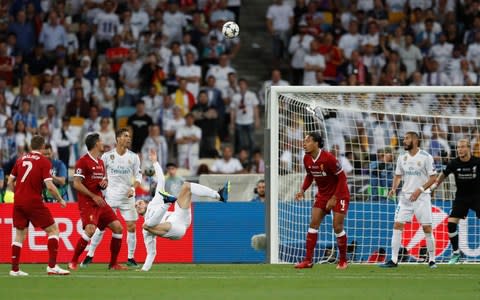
[(163, 67)]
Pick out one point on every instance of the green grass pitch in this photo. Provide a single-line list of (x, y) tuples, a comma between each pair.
[(242, 281)]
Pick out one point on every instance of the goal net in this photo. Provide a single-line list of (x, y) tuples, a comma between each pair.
[(364, 127)]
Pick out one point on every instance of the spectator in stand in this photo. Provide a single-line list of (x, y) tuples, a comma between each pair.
[(187, 46), (36, 63), (206, 118), (427, 37), (171, 66), (139, 18), (333, 58), (188, 139), (116, 55), (245, 117), (220, 72), (129, 77), (473, 53), (25, 33), (140, 123), (258, 165), (441, 52), (52, 120), (279, 25), (85, 38), (410, 55), (7, 63), (439, 147), (350, 41), (25, 114), (227, 164), (298, 47), (229, 46), (64, 138), (107, 24), (46, 98), (78, 106), (92, 123), (221, 13), (276, 80), (355, 66), (156, 142), (312, 63), (103, 96), (22, 138), (173, 182), (53, 34), (174, 22), (259, 192), (212, 51), (5, 112), (107, 134), (153, 102), (85, 84), (191, 73), (434, 76), (244, 159), (8, 146), (151, 75), (59, 176), (464, 76), (381, 174), (165, 113)]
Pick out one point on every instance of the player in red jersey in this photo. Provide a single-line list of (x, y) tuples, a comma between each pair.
[(332, 194), (30, 172), (89, 181)]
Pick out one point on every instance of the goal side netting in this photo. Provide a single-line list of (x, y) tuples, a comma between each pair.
[(364, 128)]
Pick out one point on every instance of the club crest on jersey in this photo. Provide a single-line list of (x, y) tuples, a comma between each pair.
[(404, 158), (112, 157), (418, 163), (78, 171)]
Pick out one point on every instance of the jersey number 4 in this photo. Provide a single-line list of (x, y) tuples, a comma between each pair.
[(29, 166), (342, 205)]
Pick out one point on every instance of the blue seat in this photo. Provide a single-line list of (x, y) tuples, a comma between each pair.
[(122, 114)]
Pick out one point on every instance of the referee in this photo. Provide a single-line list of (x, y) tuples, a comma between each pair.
[(466, 169)]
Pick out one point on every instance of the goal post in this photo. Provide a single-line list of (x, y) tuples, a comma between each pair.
[(364, 126)]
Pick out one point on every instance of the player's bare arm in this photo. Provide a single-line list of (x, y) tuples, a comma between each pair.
[(104, 183), (395, 184), (11, 183), (300, 195), (437, 182), (422, 188), (54, 191), (79, 186)]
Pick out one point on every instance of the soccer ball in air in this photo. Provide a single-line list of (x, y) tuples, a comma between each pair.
[(230, 30)]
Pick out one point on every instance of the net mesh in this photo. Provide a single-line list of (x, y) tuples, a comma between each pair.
[(365, 132)]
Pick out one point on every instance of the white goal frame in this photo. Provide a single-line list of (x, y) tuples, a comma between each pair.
[(272, 141)]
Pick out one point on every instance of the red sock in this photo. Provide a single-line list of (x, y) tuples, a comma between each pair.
[(115, 246), (52, 251), (16, 249), (81, 245), (310, 245), (342, 247)]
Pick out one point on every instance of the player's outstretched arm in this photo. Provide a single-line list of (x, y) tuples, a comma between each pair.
[(158, 171), (437, 182)]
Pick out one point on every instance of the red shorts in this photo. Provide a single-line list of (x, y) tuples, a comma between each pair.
[(101, 217), (341, 206), (38, 215)]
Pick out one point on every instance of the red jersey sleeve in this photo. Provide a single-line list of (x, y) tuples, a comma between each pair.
[(46, 169), (333, 166), (80, 169), (309, 177)]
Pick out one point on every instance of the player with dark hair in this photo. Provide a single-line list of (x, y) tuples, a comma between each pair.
[(121, 166), (332, 194), (466, 169), (89, 181), (417, 168), (30, 172)]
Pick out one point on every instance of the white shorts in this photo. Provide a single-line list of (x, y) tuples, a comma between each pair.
[(127, 209), (422, 208), (179, 220)]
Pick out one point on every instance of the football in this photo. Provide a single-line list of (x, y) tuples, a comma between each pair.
[(230, 30)]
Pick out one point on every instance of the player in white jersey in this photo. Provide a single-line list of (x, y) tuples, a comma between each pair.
[(417, 169), (122, 167), (170, 225)]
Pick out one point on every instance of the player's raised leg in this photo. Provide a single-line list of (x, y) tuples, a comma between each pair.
[(94, 242)]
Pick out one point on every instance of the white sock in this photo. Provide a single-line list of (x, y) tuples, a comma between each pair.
[(430, 246), (154, 217), (203, 191), (151, 246), (131, 243), (396, 242), (95, 241)]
